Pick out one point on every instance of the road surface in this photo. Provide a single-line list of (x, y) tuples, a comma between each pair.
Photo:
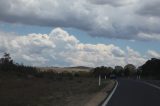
[(134, 93), (155, 82)]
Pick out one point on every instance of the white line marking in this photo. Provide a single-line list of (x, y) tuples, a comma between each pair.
[(110, 95), (152, 85)]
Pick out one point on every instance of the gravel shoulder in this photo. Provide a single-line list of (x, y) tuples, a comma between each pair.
[(100, 96)]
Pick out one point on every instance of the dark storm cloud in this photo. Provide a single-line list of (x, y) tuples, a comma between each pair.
[(150, 8), (119, 19), (115, 3)]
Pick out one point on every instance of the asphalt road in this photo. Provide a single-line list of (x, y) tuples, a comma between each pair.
[(134, 93), (155, 82)]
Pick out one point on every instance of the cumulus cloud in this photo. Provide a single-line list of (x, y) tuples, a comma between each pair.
[(153, 54), (119, 19), (59, 48), (134, 57)]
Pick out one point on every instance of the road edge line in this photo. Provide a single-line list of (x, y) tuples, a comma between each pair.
[(110, 95), (152, 85)]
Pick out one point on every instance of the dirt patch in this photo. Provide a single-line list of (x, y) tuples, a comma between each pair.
[(100, 96)]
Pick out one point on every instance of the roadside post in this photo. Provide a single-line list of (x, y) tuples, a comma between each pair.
[(99, 80)]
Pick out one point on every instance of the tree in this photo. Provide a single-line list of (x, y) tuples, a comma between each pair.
[(151, 68), (129, 70), (6, 59), (6, 63), (103, 71), (139, 71), (118, 70)]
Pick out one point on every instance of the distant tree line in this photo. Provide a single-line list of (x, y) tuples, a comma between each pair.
[(151, 69), (119, 71), (8, 66)]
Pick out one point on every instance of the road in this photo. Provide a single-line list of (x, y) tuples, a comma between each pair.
[(134, 93), (155, 82)]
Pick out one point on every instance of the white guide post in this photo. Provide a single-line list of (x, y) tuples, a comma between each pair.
[(99, 80)]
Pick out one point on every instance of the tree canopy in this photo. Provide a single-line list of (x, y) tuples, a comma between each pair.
[(151, 68)]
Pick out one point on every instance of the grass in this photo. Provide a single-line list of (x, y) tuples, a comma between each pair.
[(66, 69), (19, 91)]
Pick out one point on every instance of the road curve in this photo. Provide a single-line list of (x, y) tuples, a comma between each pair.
[(134, 93)]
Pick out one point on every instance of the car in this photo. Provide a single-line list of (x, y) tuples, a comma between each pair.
[(113, 76)]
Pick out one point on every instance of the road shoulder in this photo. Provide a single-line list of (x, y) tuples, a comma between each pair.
[(105, 102), (97, 99)]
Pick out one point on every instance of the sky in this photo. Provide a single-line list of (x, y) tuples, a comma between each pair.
[(80, 32)]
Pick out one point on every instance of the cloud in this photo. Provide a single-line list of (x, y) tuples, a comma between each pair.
[(59, 48), (147, 37), (153, 54), (115, 3), (134, 57), (118, 19), (150, 8)]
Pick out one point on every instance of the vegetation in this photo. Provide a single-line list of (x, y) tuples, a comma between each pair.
[(102, 71), (16, 91), (28, 86), (8, 66), (118, 71), (129, 70), (151, 69)]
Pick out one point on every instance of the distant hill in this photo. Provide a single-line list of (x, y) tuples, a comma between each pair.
[(68, 69), (81, 67)]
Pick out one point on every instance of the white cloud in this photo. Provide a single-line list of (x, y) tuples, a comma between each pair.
[(153, 54), (119, 19), (146, 36), (62, 49), (134, 57)]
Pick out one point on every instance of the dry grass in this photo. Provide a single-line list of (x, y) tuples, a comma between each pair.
[(16, 91), (67, 69)]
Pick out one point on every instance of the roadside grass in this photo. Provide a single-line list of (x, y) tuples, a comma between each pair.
[(19, 91)]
